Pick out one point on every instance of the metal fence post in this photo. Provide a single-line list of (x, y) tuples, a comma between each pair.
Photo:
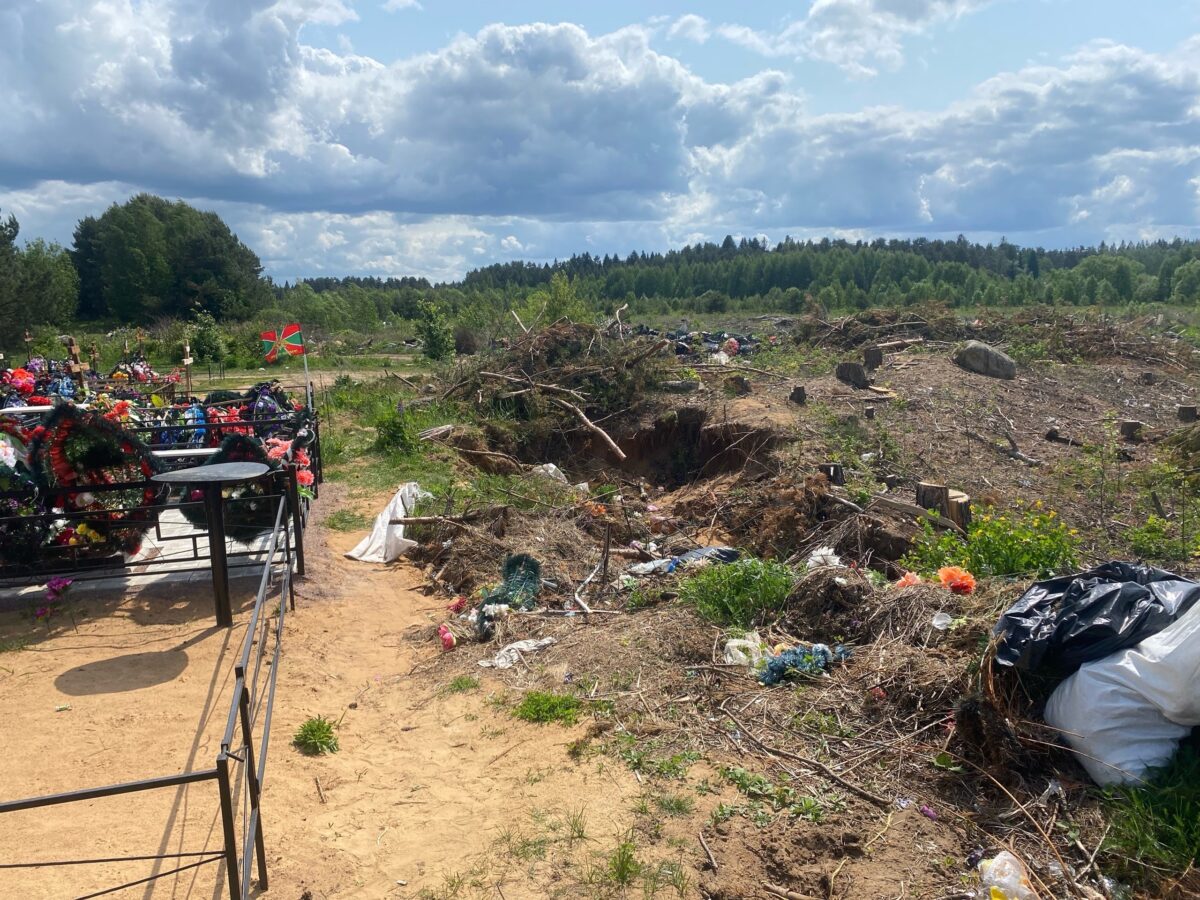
[(252, 784), (293, 496), (231, 850)]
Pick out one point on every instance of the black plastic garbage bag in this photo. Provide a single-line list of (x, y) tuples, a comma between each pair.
[(1060, 624)]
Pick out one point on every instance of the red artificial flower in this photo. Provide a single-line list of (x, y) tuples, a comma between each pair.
[(305, 477), (957, 579)]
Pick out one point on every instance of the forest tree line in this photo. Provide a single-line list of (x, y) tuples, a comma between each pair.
[(151, 259)]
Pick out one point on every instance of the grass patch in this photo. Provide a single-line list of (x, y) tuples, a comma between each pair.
[(318, 735), (12, 645), (347, 520), (673, 805), (463, 684), (1157, 824), (742, 593), (541, 707)]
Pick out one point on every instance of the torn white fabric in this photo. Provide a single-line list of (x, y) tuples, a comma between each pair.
[(387, 542)]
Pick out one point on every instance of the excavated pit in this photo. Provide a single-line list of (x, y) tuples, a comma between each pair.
[(684, 446)]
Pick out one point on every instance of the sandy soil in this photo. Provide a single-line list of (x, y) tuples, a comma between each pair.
[(141, 689), (425, 780), (424, 784)]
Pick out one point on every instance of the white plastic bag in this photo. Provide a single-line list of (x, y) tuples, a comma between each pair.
[(1006, 874), (1126, 713), (386, 542), (748, 651)]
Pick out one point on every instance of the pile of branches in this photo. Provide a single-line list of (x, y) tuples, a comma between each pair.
[(565, 376)]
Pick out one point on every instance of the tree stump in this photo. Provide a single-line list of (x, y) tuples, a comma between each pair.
[(1186, 413), (853, 374), (934, 496), (1131, 429), (959, 510), (872, 357), (869, 412), (798, 395), (833, 471)]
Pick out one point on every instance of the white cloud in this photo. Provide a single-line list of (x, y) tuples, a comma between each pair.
[(859, 36), (690, 27), (394, 5), (543, 138)]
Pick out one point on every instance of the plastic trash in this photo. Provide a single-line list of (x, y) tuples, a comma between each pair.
[(942, 621), (1062, 623), (823, 557), (1006, 878), (1126, 714), (748, 651), (386, 542), (507, 657), (549, 470), (712, 554), (812, 660)]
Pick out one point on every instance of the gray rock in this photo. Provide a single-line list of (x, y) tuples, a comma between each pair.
[(975, 356)]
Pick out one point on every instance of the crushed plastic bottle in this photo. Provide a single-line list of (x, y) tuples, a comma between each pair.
[(1006, 878)]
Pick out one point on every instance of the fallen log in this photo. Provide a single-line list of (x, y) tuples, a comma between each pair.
[(1054, 435), (900, 344), (913, 509)]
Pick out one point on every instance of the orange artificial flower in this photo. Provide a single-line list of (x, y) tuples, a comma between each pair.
[(959, 580), (908, 580)]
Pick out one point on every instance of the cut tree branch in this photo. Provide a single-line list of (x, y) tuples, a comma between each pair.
[(1013, 452), (591, 426)]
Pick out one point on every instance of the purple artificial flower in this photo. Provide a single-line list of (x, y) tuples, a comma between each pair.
[(56, 587)]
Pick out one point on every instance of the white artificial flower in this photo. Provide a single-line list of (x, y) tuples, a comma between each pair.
[(8, 453)]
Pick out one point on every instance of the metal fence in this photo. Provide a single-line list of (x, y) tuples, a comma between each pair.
[(239, 770)]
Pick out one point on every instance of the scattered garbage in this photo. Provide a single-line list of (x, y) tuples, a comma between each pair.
[(549, 470), (702, 554), (750, 651), (823, 557), (449, 641), (387, 542), (522, 579), (1062, 623), (928, 812), (1127, 713), (508, 656), (1006, 878), (812, 660), (957, 579), (942, 621)]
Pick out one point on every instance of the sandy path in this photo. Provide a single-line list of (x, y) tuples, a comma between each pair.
[(425, 780)]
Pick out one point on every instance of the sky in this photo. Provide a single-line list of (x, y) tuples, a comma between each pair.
[(430, 137)]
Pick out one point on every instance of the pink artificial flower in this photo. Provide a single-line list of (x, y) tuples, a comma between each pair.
[(305, 477), (908, 580)]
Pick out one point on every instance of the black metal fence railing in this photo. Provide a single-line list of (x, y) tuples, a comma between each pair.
[(239, 770)]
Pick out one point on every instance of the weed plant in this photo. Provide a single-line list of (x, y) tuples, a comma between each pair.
[(742, 593), (317, 736), (541, 707), (1029, 540)]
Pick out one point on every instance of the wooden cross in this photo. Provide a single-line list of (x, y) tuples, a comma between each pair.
[(28, 341), (94, 355), (76, 366), (141, 338)]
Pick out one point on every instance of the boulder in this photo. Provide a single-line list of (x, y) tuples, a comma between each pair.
[(977, 357)]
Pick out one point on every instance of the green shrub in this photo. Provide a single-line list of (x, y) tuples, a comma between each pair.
[(395, 433), (1159, 540), (742, 593), (207, 340), (1029, 540), (435, 333), (545, 706)]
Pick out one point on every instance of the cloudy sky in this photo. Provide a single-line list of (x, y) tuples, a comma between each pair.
[(393, 137)]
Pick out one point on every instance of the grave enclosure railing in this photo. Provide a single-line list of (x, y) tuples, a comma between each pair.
[(239, 770)]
